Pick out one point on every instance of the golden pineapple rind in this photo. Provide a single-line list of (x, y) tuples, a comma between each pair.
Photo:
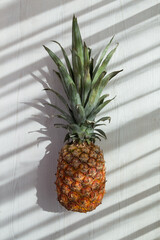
[(81, 178)]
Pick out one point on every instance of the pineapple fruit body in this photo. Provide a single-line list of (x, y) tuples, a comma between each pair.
[(80, 177)]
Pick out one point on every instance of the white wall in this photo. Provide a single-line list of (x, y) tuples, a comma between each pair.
[(28, 206)]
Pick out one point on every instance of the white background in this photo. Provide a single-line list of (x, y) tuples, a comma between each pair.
[(30, 144)]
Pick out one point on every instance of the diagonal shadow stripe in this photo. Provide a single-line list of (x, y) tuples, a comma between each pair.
[(133, 181), (55, 24), (134, 129), (106, 227), (12, 112), (29, 68), (42, 224), (98, 215), (142, 231), (135, 55), (107, 211), (20, 215), (120, 26), (25, 107), (18, 150), (27, 180), (14, 76), (37, 7), (144, 125), (134, 99), (127, 23), (119, 80), (11, 128), (133, 161), (139, 70)]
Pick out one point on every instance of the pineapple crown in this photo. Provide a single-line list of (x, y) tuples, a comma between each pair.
[(83, 82)]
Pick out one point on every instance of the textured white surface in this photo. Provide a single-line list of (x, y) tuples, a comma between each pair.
[(28, 206)]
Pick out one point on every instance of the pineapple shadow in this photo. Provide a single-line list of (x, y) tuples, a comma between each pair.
[(45, 186), (46, 189)]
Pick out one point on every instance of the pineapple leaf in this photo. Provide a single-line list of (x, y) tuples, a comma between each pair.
[(108, 78), (62, 82), (91, 67), (103, 66), (89, 52), (98, 134), (60, 125), (77, 50), (66, 59), (102, 56), (67, 137), (101, 99), (96, 125), (76, 106), (77, 39), (73, 96), (104, 119), (58, 74), (101, 132), (94, 95), (94, 135), (62, 117), (86, 83), (63, 112), (94, 101), (81, 113), (79, 75), (58, 95), (95, 111), (66, 79), (98, 138)]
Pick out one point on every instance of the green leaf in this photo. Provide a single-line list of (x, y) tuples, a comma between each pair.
[(94, 135), (78, 72), (62, 117), (67, 137), (59, 125), (58, 74), (101, 99), (73, 95), (77, 50), (77, 39), (100, 135), (104, 119), (108, 78), (98, 138), (65, 77), (76, 106), (63, 112), (95, 111), (94, 95), (66, 59), (81, 114), (86, 81), (89, 52), (103, 66), (102, 56), (62, 82), (91, 67), (101, 132), (95, 100), (58, 95), (96, 125)]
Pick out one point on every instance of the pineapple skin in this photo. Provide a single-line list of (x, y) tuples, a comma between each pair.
[(81, 177)]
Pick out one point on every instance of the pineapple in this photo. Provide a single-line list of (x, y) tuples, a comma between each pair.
[(81, 174)]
